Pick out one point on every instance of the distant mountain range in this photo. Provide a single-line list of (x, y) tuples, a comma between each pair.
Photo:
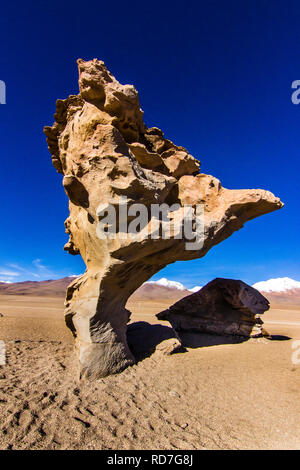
[(159, 290), (278, 291), (50, 288)]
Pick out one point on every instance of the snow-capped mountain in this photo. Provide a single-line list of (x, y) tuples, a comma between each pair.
[(166, 283), (195, 289), (281, 284), (173, 284)]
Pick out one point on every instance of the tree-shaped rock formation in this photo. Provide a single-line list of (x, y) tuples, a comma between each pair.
[(100, 144)]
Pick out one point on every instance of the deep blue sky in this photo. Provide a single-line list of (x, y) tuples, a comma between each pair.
[(214, 75)]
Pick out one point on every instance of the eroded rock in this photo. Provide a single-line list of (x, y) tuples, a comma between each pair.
[(100, 144), (222, 307), (169, 346)]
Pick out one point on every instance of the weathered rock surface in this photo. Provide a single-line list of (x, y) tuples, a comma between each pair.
[(222, 307), (169, 346), (103, 149)]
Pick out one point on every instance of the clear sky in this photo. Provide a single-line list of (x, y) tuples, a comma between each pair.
[(214, 75)]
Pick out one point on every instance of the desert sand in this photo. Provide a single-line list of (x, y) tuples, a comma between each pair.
[(218, 394)]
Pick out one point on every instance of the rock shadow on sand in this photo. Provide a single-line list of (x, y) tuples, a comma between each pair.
[(201, 340), (143, 338), (193, 340)]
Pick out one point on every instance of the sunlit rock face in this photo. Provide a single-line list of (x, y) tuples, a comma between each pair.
[(105, 152), (222, 307)]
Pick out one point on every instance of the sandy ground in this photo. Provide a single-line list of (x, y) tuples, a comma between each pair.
[(219, 394)]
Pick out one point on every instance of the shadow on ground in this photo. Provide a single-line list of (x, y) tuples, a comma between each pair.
[(200, 340), (143, 338), (279, 338)]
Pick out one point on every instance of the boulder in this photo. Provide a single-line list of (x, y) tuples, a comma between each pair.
[(169, 346), (109, 158), (222, 307)]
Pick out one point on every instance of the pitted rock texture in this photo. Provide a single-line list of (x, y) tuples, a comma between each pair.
[(222, 307), (103, 149)]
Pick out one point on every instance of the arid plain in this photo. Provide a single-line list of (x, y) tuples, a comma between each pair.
[(218, 394)]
